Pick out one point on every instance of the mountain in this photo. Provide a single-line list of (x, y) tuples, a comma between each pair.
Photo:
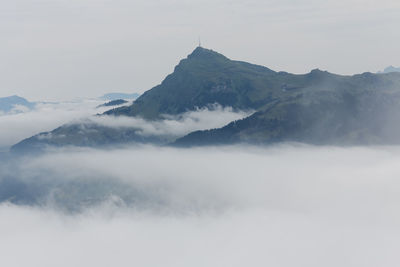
[(14, 103), (318, 107), (203, 78), (358, 110), (390, 69), (116, 96)]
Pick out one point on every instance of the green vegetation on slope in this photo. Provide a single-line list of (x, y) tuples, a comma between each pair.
[(204, 77)]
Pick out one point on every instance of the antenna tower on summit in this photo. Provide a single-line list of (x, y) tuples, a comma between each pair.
[(199, 42)]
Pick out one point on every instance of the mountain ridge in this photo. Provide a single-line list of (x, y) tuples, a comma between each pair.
[(318, 107)]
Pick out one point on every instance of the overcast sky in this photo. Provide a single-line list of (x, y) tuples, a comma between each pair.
[(53, 49)]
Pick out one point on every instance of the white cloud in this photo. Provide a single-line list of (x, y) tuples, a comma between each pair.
[(44, 117), (214, 116), (19, 109), (229, 206), (48, 116)]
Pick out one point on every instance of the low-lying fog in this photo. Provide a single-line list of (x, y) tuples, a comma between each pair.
[(16, 126), (286, 205)]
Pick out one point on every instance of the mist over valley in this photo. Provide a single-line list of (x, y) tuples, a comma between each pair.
[(213, 133)]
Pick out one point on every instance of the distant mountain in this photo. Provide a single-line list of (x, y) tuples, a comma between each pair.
[(112, 103), (14, 103), (390, 69), (318, 107), (116, 96)]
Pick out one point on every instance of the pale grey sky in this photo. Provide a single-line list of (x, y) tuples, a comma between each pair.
[(77, 48)]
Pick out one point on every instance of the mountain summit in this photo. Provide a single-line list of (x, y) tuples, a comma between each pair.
[(204, 77), (204, 53)]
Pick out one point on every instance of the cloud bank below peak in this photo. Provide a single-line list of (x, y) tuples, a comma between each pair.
[(226, 206), (213, 116)]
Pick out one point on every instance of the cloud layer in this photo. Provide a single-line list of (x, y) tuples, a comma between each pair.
[(48, 116), (229, 206), (214, 116)]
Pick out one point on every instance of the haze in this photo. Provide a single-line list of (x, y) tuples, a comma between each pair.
[(65, 49), (138, 199)]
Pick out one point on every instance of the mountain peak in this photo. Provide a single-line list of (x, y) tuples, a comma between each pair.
[(391, 69), (204, 53)]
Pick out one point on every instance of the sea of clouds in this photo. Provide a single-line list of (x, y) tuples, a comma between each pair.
[(143, 205), (228, 206)]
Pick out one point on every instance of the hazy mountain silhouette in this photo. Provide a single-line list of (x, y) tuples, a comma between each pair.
[(10, 103), (390, 69)]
